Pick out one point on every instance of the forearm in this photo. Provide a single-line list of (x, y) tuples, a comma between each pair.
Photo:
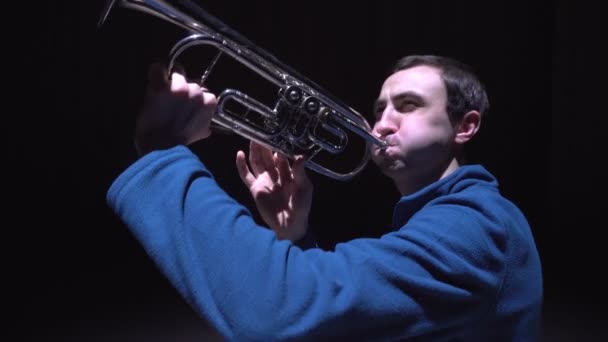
[(209, 246)]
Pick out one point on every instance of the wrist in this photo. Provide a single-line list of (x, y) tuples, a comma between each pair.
[(307, 241)]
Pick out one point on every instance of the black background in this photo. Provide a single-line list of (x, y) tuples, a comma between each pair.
[(77, 274)]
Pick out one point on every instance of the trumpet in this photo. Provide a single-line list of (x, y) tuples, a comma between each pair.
[(304, 119)]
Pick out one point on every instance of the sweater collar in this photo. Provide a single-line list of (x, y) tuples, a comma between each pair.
[(457, 181)]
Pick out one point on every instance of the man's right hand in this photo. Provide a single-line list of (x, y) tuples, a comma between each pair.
[(282, 192), (175, 112)]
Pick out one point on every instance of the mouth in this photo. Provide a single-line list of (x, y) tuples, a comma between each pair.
[(383, 142), (381, 151), (387, 143)]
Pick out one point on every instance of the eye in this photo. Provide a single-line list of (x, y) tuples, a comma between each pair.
[(406, 106)]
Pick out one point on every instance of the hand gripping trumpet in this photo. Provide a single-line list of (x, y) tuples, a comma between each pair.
[(303, 120)]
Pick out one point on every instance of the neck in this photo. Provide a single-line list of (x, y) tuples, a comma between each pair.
[(411, 181)]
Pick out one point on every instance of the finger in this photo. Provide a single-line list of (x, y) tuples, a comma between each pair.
[(299, 173), (261, 160), (283, 167), (267, 159), (178, 68), (206, 112), (254, 159), (191, 119), (241, 165), (195, 92), (197, 127), (201, 97), (198, 113), (180, 84), (209, 98)]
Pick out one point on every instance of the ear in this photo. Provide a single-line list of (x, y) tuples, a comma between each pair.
[(468, 126)]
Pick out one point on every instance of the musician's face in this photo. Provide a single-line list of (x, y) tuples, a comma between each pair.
[(410, 114)]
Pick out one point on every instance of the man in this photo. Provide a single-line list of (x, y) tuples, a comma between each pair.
[(462, 264)]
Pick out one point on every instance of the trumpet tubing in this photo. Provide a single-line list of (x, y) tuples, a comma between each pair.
[(302, 119)]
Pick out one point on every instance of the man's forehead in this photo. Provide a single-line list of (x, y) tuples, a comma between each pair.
[(420, 79)]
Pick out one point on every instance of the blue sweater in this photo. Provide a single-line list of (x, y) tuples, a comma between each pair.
[(462, 266)]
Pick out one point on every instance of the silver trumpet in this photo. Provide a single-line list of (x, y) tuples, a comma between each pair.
[(303, 120)]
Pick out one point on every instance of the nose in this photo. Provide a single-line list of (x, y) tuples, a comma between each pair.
[(386, 125)]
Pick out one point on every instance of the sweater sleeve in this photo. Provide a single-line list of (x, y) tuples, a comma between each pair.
[(251, 286)]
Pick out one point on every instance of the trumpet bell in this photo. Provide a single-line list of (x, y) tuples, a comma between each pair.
[(292, 116)]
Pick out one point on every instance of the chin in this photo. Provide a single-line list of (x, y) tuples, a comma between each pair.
[(389, 166)]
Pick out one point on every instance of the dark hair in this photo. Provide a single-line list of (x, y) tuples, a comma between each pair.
[(465, 91)]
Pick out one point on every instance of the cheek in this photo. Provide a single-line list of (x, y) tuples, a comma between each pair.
[(425, 133)]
